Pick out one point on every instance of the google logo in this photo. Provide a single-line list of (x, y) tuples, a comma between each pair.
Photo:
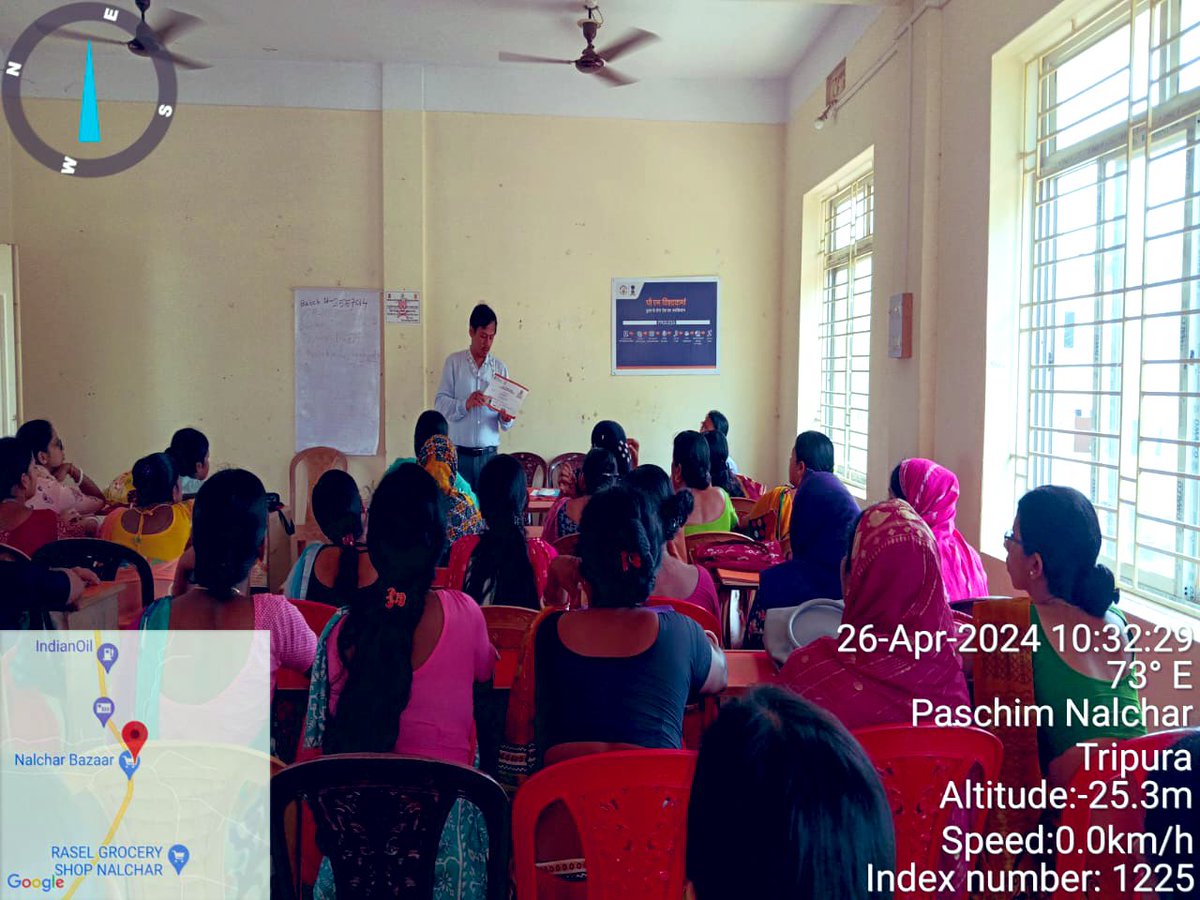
[(45, 885)]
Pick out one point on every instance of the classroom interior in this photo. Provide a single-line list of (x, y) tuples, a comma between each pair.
[(163, 295)]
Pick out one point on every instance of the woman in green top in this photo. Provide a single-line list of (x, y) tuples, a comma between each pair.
[(690, 468), (1052, 552)]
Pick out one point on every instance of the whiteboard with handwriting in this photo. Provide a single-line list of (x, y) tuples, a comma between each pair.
[(338, 360)]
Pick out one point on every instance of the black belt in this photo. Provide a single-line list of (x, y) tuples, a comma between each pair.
[(476, 451)]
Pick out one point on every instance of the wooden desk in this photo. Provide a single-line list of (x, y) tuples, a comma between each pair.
[(731, 578), (748, 668), (98, 607), (540, 504)]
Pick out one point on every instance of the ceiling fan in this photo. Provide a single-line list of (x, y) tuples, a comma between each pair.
[(593, 61), (149, 40)]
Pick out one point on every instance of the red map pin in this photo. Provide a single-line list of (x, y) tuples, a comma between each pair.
[(134, 736)]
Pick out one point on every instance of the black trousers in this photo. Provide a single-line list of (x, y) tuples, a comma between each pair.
[(471, 463)]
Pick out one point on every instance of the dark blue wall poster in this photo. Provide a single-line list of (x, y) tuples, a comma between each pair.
[(665, 326)]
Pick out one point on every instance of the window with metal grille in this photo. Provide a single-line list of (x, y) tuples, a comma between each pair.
[(1110, 328), (845, 330)]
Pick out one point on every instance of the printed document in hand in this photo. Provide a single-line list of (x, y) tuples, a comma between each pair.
[(505, 395)]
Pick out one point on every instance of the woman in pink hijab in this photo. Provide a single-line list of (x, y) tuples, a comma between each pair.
[(891, 578), (932, 490)]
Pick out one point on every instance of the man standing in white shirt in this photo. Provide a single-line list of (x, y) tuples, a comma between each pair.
[(474, 427)]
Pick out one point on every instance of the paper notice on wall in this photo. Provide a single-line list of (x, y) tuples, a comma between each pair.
[(402, 308), (338, 363)]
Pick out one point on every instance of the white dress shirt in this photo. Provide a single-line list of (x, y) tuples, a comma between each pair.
[(478, 427)]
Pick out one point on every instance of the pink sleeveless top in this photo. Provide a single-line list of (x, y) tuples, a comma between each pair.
[(439, 718), (705, 594)]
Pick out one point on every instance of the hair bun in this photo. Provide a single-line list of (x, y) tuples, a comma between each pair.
[(675, 511), (1096, 591)]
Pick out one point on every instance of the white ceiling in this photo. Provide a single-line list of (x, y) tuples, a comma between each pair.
[(722, 39)]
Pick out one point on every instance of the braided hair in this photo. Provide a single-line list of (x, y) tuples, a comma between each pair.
[(405, 537)]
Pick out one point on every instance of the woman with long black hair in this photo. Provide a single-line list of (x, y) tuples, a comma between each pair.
[(330, 573), (229, 532), (395, 668), (502, 565)]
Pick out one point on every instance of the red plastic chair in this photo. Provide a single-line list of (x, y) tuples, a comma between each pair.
[(630, 809), (1096, 781), (317, 615), (916, 764), (697, 614), (379, 821), (507, 626), (534, 467)]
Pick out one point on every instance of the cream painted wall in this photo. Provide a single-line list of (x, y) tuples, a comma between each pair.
[(162, 296), (944, 135), (926, 116), (535, 215)]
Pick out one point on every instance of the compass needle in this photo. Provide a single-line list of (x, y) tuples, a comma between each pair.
[(89, 113), (62, 22)]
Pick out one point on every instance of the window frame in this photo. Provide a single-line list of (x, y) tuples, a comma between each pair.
[(855, 188), (1152, 121)]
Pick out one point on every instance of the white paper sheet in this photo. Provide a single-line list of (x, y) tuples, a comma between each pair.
[(338, 360)]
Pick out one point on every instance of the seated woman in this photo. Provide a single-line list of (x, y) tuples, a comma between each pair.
[(613, 676), (676, 579), (1052, 552), (330, 573), (616, 673), (823, 514), (502, 565), (395, 669), (188, 453), (60, 486), (609, 435), (891, 581), (932, 490), (600, 469), (21, 527), (159, 524), (439, 458), (718, 464), (690, 468), (717, 421), (429, 423), (229, 531), (809, 836), (771, 516)]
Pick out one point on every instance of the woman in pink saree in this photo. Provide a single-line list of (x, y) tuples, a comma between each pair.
[(932, 490), (891, 578)]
